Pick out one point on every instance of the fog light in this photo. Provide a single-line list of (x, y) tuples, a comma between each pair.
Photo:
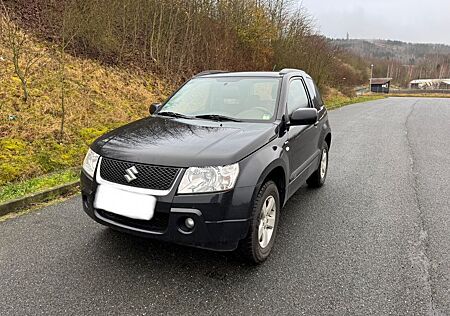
[(189, 222)]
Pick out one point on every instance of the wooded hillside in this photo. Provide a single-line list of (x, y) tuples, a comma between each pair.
[(402, 61), (177, 38)]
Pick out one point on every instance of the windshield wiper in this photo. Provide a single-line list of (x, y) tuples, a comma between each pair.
[(174, 114), (217, 117)]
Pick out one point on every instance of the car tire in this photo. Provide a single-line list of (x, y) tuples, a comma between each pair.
[(317, 179), (258, 244)]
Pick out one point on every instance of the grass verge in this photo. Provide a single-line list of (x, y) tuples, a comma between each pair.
[(337, 101), (20, 189), (420, 95)]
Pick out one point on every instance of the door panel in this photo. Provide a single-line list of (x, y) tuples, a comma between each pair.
[(301, 139), (303, 148)]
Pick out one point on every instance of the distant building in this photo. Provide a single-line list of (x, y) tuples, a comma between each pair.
[(430, 84), (380, 85)]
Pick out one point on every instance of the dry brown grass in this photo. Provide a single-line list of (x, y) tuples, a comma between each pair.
[(95, 95), (98, 98)]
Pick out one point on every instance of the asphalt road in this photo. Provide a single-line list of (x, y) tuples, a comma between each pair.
[(375, 240)]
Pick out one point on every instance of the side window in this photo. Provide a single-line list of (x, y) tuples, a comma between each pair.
[(297, 97), (314, 92)]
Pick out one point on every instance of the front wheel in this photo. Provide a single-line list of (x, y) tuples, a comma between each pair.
[(258, 244), (317, 179)]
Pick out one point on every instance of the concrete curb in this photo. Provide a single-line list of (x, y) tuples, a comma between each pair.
[(23, 202)]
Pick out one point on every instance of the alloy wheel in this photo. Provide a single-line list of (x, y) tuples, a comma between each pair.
[(267, 221), (323, 163)]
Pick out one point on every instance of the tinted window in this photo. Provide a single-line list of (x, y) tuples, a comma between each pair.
[(297, 97), (314, 92)]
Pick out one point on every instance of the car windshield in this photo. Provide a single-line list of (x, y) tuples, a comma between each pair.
[(226, 98)]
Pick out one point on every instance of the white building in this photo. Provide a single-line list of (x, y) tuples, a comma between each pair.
[(430, 84)]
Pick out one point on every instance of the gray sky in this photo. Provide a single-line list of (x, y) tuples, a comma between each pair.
[(407, 20)]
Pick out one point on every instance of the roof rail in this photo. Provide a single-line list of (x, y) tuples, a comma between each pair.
[(210, 72), (289, 70)]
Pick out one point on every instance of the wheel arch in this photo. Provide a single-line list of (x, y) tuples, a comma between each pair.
[(277, 173), (278, 176)]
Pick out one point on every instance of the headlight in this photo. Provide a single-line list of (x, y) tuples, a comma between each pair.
[(208, 179), (90, 162)]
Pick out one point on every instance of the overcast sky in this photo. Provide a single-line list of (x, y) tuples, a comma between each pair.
[(425, 21)]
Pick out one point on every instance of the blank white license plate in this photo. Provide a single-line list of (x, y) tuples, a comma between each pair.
[(125, 203)]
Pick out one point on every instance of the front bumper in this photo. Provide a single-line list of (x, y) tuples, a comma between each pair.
[(221, 219)]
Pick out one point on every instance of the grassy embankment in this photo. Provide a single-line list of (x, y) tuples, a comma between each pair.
[(98, 98)]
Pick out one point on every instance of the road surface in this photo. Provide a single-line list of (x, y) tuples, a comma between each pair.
[(375, 240)]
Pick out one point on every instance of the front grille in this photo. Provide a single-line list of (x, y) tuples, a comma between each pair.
[(148, 176), (158, 223)]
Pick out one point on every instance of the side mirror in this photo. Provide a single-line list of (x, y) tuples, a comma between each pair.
[(154, 107), (304, 117)]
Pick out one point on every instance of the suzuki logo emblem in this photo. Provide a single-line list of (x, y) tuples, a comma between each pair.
[(131, 174)]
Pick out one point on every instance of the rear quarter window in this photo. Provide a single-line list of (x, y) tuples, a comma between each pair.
[(315, 94)]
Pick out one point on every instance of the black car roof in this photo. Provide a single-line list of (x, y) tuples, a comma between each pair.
[(267, 74)]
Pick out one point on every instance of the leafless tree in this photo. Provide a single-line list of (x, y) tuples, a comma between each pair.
[(23, 54), (68, 30)]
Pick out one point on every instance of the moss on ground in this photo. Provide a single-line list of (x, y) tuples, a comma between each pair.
[(16, 190)]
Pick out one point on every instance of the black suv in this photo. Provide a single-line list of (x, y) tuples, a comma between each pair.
[(213, 166)]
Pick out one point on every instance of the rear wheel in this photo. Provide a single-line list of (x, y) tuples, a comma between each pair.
[(317, 179), (258, 244)]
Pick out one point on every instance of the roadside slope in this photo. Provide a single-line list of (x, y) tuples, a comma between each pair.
[(96, 98)]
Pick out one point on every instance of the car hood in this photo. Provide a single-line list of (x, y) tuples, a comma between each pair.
[(184, 143)]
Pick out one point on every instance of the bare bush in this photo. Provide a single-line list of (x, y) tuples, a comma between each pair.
[(23, 54)]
